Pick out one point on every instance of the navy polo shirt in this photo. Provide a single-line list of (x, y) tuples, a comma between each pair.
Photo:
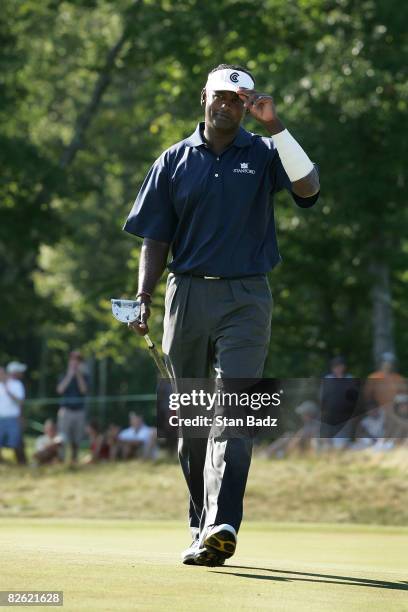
[(215, 210)]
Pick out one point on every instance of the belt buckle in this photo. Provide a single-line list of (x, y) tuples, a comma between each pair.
[(212, 277)]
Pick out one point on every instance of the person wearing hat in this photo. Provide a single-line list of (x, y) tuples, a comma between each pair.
[(209, 198), (12, 395), (72, 387), (338, 368)]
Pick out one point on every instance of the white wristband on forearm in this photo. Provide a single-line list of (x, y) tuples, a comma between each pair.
[(295, 161)]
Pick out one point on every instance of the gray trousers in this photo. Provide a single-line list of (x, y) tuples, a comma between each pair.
[(71, 425), (216, 328)]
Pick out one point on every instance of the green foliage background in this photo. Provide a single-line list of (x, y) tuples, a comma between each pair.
[(93, 91)]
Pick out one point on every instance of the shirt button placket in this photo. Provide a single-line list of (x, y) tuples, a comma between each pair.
[(216, 174)]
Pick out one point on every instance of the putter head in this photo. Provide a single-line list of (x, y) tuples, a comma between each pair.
[(125, 311)]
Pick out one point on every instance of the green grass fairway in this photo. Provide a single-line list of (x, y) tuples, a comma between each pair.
[(366, 488), (125, 565)]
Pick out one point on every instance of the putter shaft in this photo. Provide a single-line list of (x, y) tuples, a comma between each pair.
[(158, 360)]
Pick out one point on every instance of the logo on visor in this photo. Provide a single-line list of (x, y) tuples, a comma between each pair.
[(234, 77)]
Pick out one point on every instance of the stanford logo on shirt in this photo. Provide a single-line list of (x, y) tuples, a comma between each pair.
[(244, 169)]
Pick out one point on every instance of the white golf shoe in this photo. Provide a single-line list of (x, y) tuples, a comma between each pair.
[(218, 544), (188, 555)]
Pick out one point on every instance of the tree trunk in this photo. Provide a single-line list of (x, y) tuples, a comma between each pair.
[(382, 315), (43, 369), (89, 112)]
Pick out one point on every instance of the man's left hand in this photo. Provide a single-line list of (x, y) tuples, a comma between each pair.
[(261, 106)]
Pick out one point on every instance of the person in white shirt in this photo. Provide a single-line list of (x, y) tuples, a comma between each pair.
[(48, 446), (12, 395), (138, 437)]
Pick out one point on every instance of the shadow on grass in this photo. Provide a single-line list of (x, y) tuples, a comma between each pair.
[(310, 577)]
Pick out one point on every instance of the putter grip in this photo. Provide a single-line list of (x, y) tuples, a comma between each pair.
[(158, 360), (159, 363)]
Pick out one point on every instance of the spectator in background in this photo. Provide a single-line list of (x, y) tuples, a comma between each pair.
[(138, 440), (112, 437), (371, 428), (72, 387), (338, 368), (384, 384), (2, 378), (396, 424), (401, 407), (48, 447), (304, 439), (339, 394), (383, 429), (372, 432), (12, 395), (98, 444)]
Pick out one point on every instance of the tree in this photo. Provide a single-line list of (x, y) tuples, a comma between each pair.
[(93, 91)]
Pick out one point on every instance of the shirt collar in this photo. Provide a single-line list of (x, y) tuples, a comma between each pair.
[(242, 139)]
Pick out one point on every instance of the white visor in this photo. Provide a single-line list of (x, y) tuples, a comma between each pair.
[(229, 80)]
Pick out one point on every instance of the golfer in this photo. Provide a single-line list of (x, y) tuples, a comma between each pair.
[(210, 199)]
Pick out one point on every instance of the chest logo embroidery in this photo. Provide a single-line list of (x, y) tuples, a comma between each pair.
[(244, 169)]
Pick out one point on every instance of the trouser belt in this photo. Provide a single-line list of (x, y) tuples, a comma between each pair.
[(209, 277)]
